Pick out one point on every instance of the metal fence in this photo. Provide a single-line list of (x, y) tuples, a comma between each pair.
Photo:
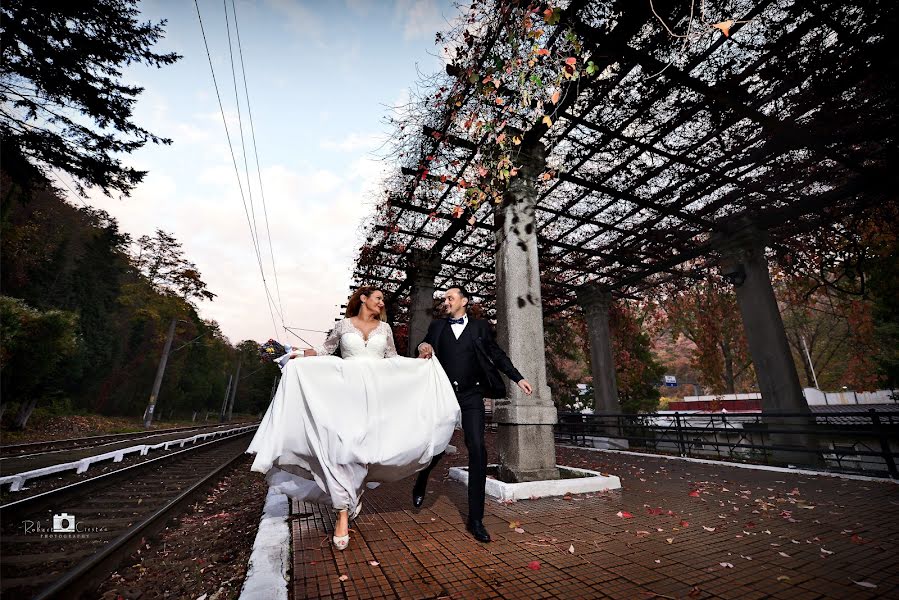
[(864, 442)]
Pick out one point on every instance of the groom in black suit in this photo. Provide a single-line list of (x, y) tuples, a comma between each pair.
[(472, 361)]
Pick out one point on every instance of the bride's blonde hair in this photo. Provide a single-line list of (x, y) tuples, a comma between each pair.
[(355, 303)]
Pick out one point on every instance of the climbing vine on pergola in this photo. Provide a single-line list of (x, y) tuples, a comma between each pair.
[(664, 123)]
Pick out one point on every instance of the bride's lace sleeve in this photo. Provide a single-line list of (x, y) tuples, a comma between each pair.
[(390, 349), (332, 341)]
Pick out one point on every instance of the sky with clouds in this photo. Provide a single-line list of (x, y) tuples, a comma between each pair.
[(321, 77)]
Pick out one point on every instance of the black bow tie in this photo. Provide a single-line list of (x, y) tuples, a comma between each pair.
[(459, 321)]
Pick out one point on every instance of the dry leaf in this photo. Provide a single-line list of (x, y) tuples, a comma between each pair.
[(555, 97), (784, 554), (669, 540), (534, 565), (571, 549), (343, 578), (727, 565), (547, 121), (624, 514), (864, 584), (519, 530), (708, 528), (514, 524), (374, 563), (724, 26), (783, 578)]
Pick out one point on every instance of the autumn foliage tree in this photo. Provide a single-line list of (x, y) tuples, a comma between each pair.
[(707, 314)]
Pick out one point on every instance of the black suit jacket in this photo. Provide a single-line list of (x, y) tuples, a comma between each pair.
[(491, 357)]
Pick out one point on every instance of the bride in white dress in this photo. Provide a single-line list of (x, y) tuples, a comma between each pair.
[(336, 424)]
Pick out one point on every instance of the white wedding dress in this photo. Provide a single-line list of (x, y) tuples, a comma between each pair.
[(336, 424)]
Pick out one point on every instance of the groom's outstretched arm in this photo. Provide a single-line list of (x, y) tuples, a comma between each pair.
[(500, 358)]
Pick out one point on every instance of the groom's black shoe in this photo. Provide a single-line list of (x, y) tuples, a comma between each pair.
[(418, 491), (478, 531)]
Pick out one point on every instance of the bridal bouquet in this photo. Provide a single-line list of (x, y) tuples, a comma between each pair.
[(271, 350)]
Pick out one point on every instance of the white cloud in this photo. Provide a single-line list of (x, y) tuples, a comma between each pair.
[(354, 142), (421, 18)]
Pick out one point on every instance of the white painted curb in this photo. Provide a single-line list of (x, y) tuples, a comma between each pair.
[(270, 560), (722, 463), (593, 481)]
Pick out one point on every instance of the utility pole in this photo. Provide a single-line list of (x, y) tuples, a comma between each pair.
[(225, 401), (810, 365), (148, 413), (234, 389)]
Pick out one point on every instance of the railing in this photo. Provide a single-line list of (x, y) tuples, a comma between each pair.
[(852, 442)]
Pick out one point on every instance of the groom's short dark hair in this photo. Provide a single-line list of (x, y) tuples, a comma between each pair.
[(462, 291)]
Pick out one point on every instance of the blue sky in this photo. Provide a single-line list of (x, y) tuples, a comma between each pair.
[(321, 76)]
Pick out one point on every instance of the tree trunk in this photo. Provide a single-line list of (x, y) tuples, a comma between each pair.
[(729, 383), (24, 414)]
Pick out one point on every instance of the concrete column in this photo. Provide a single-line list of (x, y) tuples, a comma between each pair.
[(744, 265), (423, 269), (525, 424), (596, 301)]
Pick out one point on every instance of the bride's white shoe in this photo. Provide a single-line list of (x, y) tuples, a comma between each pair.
[(341, 542)]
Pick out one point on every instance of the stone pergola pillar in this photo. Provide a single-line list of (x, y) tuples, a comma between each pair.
[(744, 265), (525, 423), (423, 269), (596, 301)]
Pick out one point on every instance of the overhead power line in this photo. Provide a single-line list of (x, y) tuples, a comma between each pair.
[(236, 169)]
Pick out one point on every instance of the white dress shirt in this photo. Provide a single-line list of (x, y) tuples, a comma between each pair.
[(458, 328)]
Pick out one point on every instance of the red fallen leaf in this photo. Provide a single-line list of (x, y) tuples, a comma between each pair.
[(654, 511), (694, 494), (571, 61), (857, 539), (542, 52), (534, 565), (555, 97), (624, 514)]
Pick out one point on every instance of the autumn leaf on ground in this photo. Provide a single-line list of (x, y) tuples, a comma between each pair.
[(669, 540), (783, 578), (708, 528), (519, 530), (457, 211), (654, 511), (547, 121), (684, 523), (784, 554), (857, 539), (724, 26), (695, 591), (343, 578), (514, 524), (374, 563), (642, 534), (555, 97), (694, 494), (727, 565), (624, 514), (571, 549), (534, 565), (864, 584)]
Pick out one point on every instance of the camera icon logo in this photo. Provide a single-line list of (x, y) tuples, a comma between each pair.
[(63, 523)]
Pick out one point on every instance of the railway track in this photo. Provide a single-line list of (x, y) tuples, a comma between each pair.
[(63, 542), (29, 449)]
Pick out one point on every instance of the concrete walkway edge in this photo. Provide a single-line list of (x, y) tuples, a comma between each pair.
[(724, 463), (267, 569)]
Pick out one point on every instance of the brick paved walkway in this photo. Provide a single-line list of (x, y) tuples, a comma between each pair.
[(786, 536)]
